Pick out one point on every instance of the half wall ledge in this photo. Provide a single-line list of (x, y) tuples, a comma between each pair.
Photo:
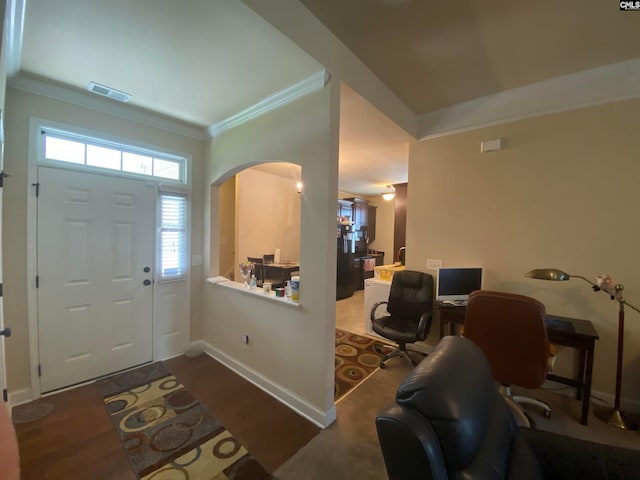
[(255, 292)]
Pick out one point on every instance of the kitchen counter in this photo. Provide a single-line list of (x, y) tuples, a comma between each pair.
[(385, 272), (362, 270)]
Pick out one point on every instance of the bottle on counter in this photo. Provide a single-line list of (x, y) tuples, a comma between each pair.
[(295, 288), (253, 282), (287, 290)]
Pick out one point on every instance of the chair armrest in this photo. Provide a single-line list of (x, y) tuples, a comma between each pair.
[(374, 308), (425, 324), (410, 446)]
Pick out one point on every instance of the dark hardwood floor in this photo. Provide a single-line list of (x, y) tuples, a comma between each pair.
[(77, 440)]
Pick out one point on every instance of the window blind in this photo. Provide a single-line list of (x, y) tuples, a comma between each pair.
[(173, 233)]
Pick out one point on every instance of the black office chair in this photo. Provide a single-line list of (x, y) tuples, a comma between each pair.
[(410, 308)]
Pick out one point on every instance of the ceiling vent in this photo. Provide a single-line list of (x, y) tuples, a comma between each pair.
[(109, 92)]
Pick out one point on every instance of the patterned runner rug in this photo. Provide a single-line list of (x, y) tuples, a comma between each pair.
[(168, 434), (357, 357)]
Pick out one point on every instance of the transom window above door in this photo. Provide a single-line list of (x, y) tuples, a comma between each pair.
[(69, 148)]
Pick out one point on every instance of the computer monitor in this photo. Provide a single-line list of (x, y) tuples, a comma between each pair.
[(454, 284)]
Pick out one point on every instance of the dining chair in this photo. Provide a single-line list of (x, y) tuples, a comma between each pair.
[(257, 271)]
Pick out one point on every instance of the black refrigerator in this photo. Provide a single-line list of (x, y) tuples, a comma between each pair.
[(345, 254)]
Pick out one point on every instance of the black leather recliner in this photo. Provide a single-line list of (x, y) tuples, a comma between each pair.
[(450, 422)]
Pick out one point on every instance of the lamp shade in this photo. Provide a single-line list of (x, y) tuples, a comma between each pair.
[(548, 274)]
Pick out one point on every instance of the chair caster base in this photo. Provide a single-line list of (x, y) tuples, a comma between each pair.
[(546, 409), (397, 353)]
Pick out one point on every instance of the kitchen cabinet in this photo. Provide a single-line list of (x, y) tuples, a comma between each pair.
[(345, 209), (371, 225), (360, 211)]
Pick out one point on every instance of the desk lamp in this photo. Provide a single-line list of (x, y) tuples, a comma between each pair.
[(613, 417)]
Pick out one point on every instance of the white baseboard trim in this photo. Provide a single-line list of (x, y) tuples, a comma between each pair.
[(18, 397), (597, 399), (626, 404), (310, 412), (421, 347)]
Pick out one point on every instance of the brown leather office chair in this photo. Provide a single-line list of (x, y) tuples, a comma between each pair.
[(410, 308), (510, 330)]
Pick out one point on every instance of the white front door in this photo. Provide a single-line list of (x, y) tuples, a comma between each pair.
[(95, 275)]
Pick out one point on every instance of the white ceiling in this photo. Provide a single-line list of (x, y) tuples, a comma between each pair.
[(202, 61)]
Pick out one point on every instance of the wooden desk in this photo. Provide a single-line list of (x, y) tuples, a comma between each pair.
[(581, 335), (451, 315), (565, 331)]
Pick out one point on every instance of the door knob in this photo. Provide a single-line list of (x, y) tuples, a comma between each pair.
[(147, 282), (146, 269), (6, 332)]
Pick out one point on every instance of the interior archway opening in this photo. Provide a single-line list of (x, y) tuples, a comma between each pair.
[(259, 222)]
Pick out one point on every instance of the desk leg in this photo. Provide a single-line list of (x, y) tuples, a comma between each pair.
[(587, 386), (442, 322), (581, 375)]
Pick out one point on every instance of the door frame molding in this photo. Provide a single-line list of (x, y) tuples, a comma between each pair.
[(35, 124)]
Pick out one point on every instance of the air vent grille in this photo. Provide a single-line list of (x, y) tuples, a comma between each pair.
[(109, 92)]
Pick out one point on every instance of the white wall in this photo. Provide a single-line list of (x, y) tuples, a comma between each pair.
[(291, 350), (562, 193)]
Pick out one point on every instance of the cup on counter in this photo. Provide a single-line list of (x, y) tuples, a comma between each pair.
[(266, 288), (279, 292)]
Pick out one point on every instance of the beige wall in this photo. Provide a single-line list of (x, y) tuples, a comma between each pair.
[(227, 216), (20, 107), (291, 348), (562, 193), (268, 216)]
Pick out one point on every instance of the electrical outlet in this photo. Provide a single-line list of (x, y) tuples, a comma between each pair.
[(245, 339), (433, 264)]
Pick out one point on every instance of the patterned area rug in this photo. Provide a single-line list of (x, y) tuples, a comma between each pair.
[(357, 357), (168, 434)]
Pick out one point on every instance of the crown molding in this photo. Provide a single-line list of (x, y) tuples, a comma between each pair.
[(311, 84), (105, 105), (610, 83), (296, 22)]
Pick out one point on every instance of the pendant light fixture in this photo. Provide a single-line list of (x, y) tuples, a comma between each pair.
[(389, 192)]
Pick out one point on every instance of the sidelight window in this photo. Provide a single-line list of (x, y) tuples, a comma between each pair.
[(173, 236)]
